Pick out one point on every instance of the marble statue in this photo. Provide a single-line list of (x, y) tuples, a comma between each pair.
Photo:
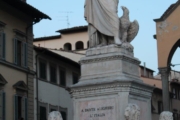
[(132, 112), (103, 21), (166, 115), (55, 115), (128, 29)]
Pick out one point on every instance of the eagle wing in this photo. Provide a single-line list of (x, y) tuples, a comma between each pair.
[(132, 31)]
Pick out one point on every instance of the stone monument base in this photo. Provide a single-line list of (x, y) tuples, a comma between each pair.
[(109, 101), (110, 80)]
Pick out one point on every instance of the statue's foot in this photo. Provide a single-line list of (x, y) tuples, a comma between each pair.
[(117, 41)]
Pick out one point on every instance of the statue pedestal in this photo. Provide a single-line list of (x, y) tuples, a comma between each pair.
[(109, 80)]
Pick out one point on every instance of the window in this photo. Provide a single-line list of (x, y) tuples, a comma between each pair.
[(67, 46), (160, 107), (3, 105), (53, 108), (88, 44), (75, 78), (79, 45), (62, 76), (42, 69), (20, 53), (179, 94), (64, 115), (175, 116), (175, 93), (53, 74), (43, 113), (63, 112), (2, 45), (20, 108)]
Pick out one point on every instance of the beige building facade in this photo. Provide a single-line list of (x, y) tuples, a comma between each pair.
[(75, 39), (16, 59)]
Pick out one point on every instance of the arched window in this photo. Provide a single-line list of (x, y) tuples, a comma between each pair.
[(67, 46), (88, 44), (79, 45)]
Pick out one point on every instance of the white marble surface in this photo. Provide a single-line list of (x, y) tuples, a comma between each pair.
[(166, 115), (98, 109), (55, 115)]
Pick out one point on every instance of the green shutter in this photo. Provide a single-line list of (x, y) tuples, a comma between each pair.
[(24, 54), (1, 105), (4, 106), (1, 45), (24, 108), (4, 46), (15, 107), (15, 51)]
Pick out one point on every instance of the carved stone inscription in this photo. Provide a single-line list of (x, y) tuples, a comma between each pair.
[(98, 110)]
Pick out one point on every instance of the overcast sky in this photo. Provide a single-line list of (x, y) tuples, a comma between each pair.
[(144, 11)]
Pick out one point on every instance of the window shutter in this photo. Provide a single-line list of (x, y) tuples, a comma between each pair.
[(15, 107), (24, 54), (1, 45), (4, 105), (4, 46), (1, 105), (15, 51), (24, 108)]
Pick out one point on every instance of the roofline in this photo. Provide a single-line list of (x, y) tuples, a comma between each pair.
[(47, 38), (68, 51), (40, 14), (45, 50), (147, 68), (165, 15), (73, 29)]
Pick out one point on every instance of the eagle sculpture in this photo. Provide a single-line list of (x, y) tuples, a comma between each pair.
[(128, 30)]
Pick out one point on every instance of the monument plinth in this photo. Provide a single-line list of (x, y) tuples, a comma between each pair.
[(110, 80), (110, 87)]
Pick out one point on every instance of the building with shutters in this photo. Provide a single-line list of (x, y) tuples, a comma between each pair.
[(54, 72), (16, 59)]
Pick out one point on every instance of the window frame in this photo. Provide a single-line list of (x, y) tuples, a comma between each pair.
[(45, 62), (60, 81), (74, 73), (24, 107), (52, 107), (160, 107), (20, 37), (2, 45), (50, 74), (40, 104), (61, 109)]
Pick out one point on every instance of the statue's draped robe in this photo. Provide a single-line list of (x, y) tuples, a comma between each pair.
[(102, 16)]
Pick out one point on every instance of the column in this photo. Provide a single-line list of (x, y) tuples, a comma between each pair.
[(165, 87)]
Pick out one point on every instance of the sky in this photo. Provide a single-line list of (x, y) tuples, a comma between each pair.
[(144, 11)]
